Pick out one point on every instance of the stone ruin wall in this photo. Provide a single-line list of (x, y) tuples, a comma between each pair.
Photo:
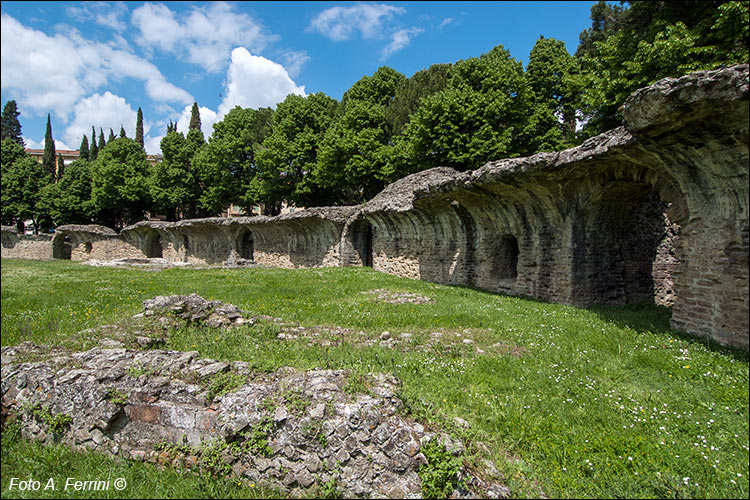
[(655, 210), (22, 246)]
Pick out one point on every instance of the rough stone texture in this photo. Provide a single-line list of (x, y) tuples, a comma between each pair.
[(124, 402), (25, 246), (655, 210)]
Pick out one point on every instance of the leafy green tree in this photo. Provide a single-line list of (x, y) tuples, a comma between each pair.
[(226, 166), (94, 151), (10, 127), (69, 200), (653, 40), (172, 185), (48, 157), (377, 89), (353, 154), (554, 78), (22, 181), (410, 92), (480, 116), (139, 128), (290, 153), (83, 150), (102, 141), (119, 183), (60, 167)]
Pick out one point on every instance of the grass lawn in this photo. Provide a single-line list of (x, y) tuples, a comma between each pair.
[(604, 402)]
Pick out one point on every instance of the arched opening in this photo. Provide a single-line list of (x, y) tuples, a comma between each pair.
[(87, 247), (361, 236), (62, 248), (153, 246), (246, 245), (505, 263), (624, 247)]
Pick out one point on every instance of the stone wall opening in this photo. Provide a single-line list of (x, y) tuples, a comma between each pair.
[(361, 236), (246, 245), (505, 263), (62, 248), (623, 247), (153, 248)]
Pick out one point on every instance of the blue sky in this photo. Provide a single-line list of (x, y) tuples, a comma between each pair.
[(95, 63)]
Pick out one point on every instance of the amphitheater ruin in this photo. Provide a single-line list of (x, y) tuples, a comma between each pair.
[(655, 210)]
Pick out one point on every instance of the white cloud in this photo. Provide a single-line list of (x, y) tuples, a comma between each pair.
[(400, 39), (53, 73), (204, 36), (255, 82), (103, 112), (446, 22), (293, 61), (59, 145), (342, 23), (152, 145), (109, 14)]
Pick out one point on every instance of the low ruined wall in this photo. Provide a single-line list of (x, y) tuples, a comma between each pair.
[(653, 211), (656, 210), (25, 246)]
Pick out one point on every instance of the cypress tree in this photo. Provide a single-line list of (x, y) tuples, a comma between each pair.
[(102, 141), (48, 158), (10, 126), (122, 131), (111, 136), (83, 151), (60, 167), (94, 151), (139, 128), (195, 118)]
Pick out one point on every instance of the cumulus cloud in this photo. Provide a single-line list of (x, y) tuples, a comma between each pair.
[(102, 111), (256, 82), (59, 145), (204, 36), (54, 72), (342, 23), (400, 39)]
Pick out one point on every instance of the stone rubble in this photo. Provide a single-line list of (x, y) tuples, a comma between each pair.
[(157, 406), (398, 297)]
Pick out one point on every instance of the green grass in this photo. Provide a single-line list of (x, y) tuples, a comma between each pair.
[(606, 402)]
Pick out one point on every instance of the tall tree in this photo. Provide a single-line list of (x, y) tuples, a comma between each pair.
[(83, 150), (10, 126), (227, 166), (60, 170), (122, 131), (94, 151), (139, 129), (111, 136), (290, 153), (195, 118), (22, 181), (102, 141), (69, 200), (48, 158), (119, 183), (479, 116), (410, 92)]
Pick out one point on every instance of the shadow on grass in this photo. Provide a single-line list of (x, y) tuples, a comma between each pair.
[(655, 319)]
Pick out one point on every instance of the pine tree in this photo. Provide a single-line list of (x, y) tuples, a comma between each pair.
[(94, 151), (11, 127), (102, 141), (60, 168), (139, 129), (83, 151), (111, 136), (195, 118), (122, 131), (48, 158)]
